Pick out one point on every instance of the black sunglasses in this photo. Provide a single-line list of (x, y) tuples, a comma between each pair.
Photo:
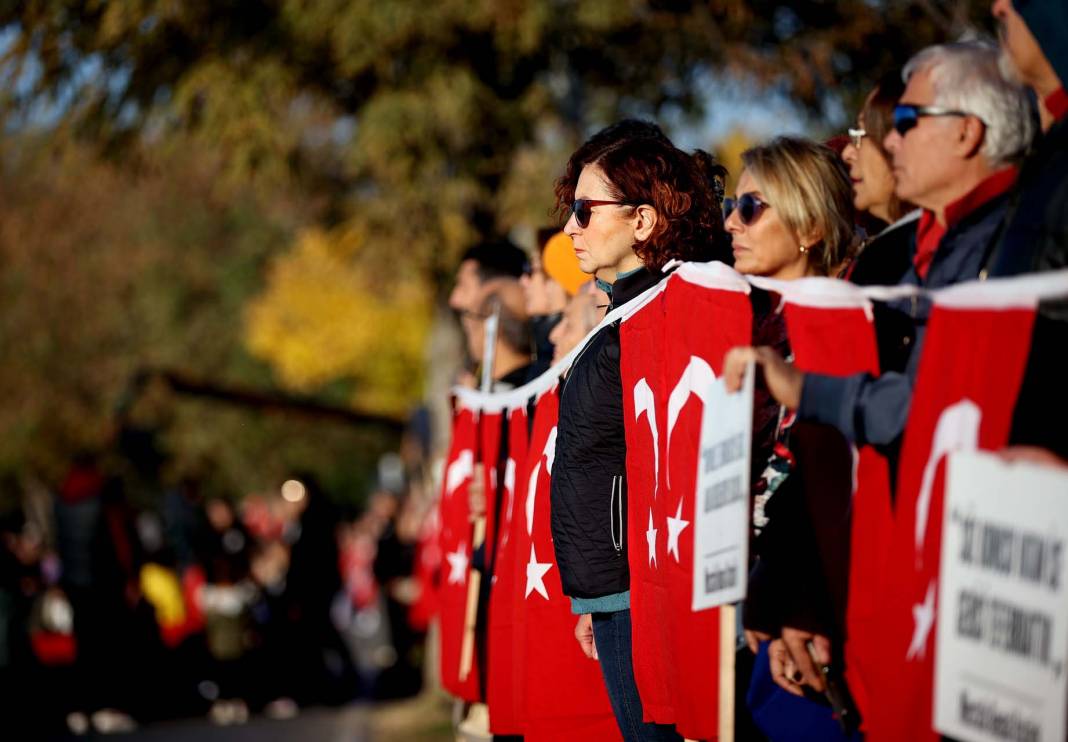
[(749, 208), (907, 116), (582, 208)]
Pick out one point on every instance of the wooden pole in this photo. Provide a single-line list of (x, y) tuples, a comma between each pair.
[(728, 630), (474, 584)]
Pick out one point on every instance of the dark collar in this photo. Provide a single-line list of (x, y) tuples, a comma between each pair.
[(633, 283)]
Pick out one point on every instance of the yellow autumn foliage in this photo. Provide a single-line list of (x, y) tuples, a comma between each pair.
[(321, 318)]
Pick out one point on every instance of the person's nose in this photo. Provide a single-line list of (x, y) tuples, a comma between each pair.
[(571, 228), (892, 141), (849, 154), (734, 223)]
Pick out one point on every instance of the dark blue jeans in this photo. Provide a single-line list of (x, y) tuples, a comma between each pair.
[(611, 634)]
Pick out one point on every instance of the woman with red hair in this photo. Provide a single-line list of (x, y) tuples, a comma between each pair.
[(636, 202)]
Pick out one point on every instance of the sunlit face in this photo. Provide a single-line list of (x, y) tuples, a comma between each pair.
[(873, 180), (608, 240), (467, 294), (474, 327), (543, 295), (575, 324), (765, 247), (925, 162)]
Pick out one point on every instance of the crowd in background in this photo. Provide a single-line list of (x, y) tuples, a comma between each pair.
[(113, 615)]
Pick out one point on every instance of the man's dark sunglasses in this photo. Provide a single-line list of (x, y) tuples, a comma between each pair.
[(749, 208), (582, 208), (906, 116)]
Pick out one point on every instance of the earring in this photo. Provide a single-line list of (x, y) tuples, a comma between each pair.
[(804, 249)]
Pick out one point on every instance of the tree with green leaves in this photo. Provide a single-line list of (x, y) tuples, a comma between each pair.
[(394, 133)]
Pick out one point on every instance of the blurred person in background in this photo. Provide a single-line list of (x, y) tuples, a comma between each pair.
[(635, 201), (96, 550), (226, 599), (21, 582), (584, 310), (485, 268), (319, 666), (884, 256), (553, 278)]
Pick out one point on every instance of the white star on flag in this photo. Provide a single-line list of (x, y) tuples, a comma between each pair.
[(457, 565), (536, 575), (923, 614), (676, 526), (650, 537)]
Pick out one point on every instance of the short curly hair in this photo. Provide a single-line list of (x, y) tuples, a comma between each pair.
[(642, 166)]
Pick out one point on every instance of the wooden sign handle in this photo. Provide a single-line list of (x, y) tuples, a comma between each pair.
[(474, 584)]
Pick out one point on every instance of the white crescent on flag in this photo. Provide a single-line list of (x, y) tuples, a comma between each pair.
[(696, 379), (957, 430), (645, 402), (459, 470)]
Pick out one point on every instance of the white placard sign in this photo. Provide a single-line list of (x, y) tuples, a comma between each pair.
[(1002, 647), (721, 506)]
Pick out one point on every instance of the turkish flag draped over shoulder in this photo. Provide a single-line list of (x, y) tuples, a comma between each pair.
[(708, 312), (503, 691), (455, 545), (831, 331), (642, 350), (564, 692), (977, 343)]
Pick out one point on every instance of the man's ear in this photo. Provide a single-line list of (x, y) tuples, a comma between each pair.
[(645, 222), (971, 136)]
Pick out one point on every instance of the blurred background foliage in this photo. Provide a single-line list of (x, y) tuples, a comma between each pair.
[(273, 193)]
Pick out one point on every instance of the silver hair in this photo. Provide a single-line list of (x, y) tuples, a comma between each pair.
[(966, 76)]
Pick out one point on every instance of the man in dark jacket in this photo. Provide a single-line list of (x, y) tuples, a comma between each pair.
[(1034, 236), (960, 127)]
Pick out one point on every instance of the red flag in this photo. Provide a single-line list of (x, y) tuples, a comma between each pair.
[(642, 349), (456, 553), (564, 691), (831, 332), (707, 313), (503, 692), (668, 361), (489, 425), (969, 376), (427, 570)]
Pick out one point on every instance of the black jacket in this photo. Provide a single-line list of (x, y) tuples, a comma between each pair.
[(884, 261), (589, 490), (1034, 237)]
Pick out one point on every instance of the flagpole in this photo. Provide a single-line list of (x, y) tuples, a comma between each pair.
[(474, 584), (478, 520), (728, 631)]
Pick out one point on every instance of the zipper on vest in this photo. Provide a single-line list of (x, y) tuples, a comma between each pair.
[(615, 511)]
